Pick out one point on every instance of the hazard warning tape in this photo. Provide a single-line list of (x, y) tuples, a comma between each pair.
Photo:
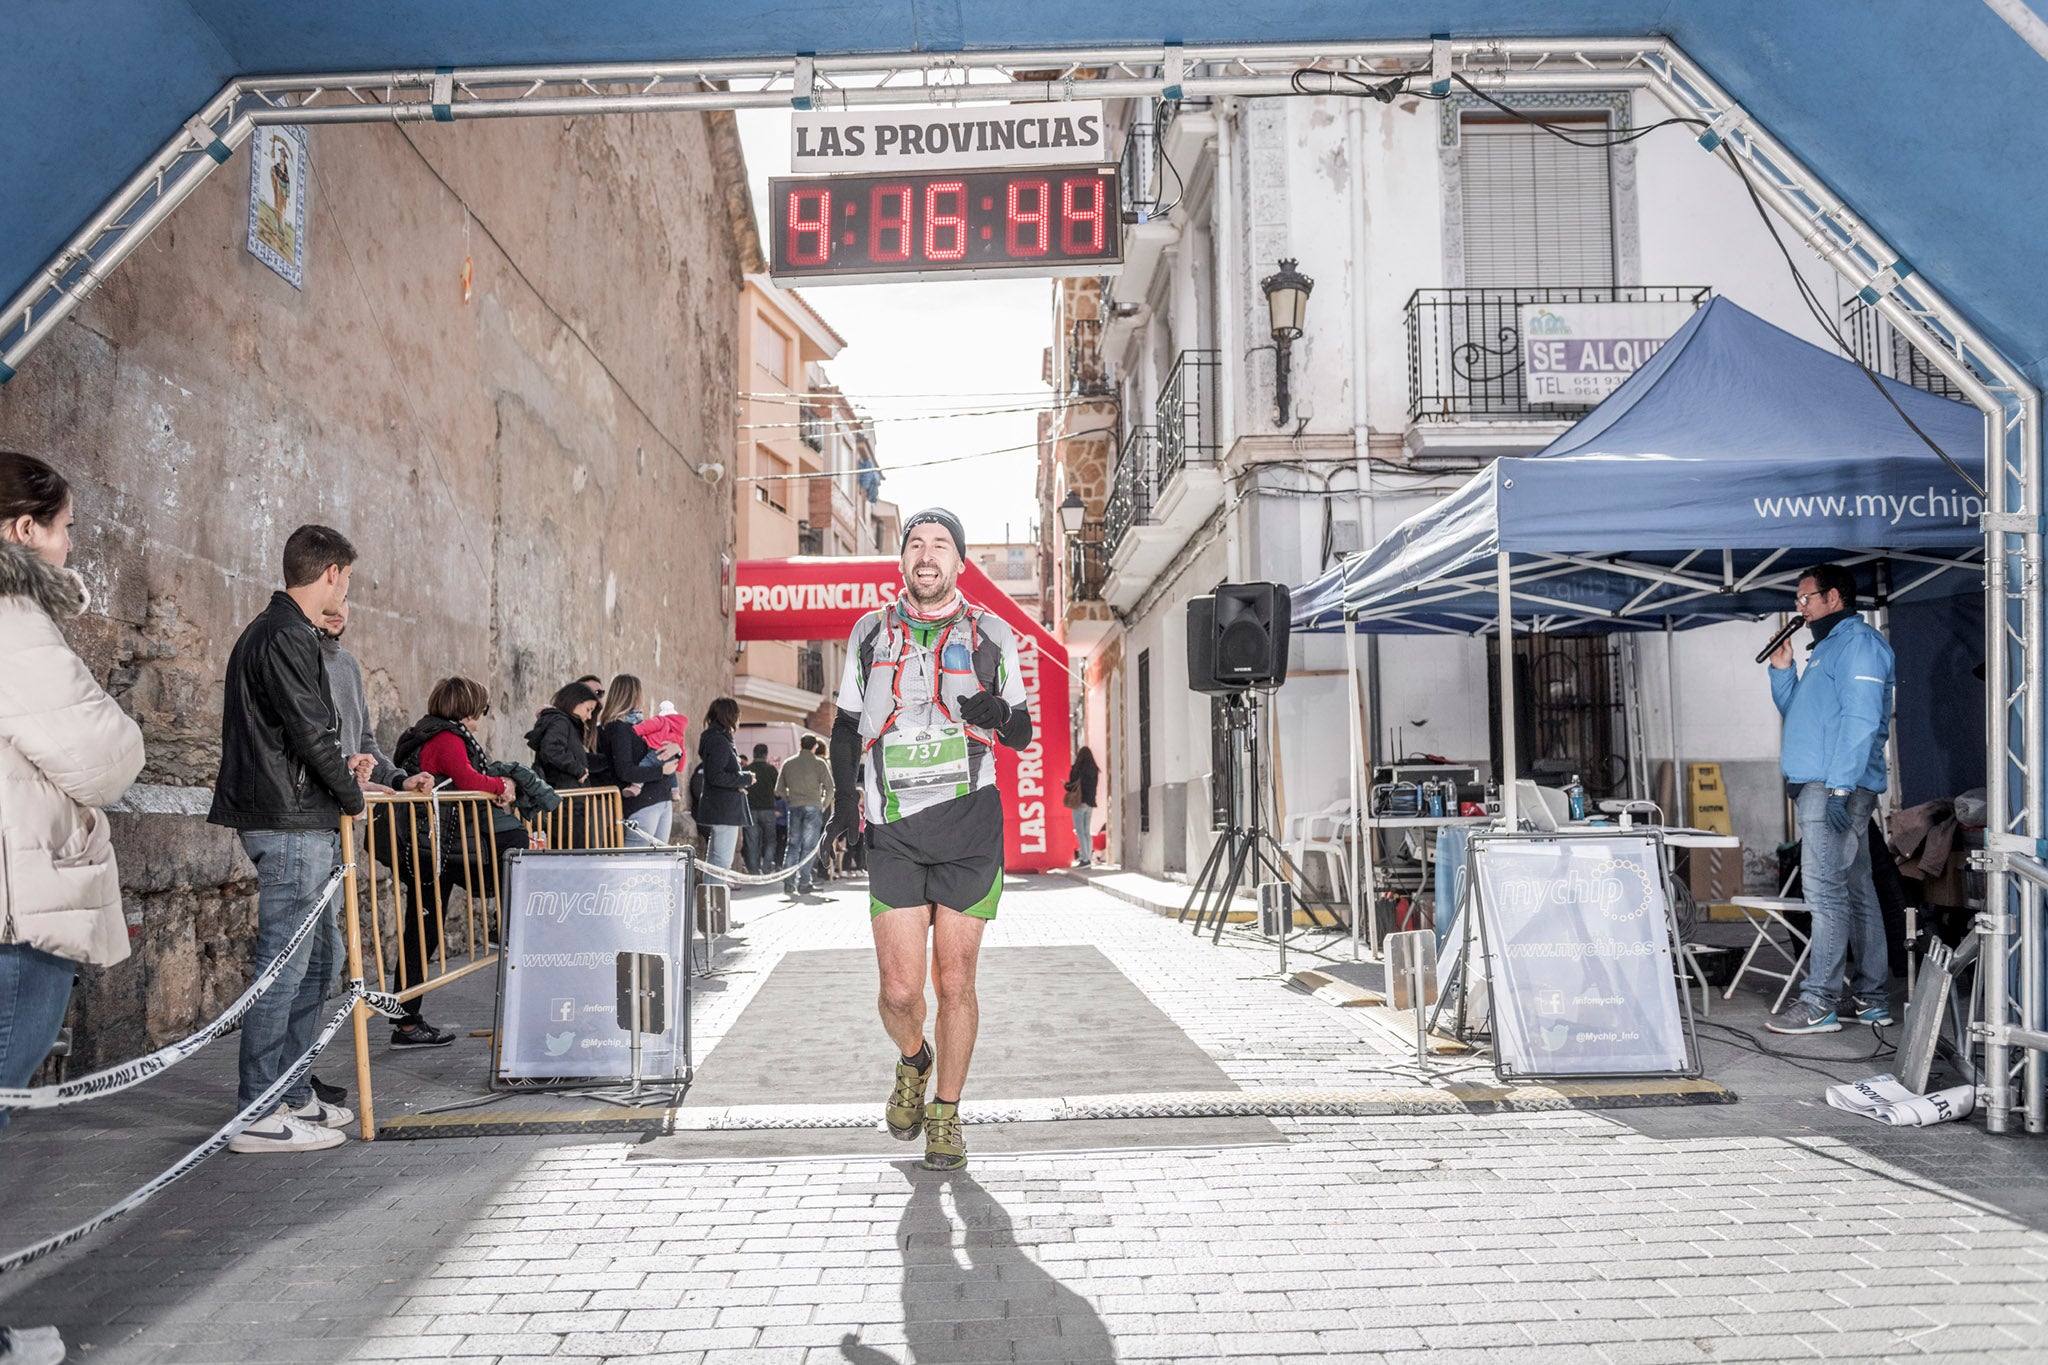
[(115, 1079), (383, 1003)]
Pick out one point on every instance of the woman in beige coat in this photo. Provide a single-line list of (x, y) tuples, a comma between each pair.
[(65, 750)]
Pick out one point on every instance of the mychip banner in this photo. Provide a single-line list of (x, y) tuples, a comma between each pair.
[(1576, 931), (573, 923)]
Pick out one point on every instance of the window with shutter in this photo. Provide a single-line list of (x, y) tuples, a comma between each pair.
[(1537, 210)]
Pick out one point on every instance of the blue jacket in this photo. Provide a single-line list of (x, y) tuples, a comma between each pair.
[(1838, 713)]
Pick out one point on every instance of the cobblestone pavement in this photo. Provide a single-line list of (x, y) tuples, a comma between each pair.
[(1773, 1229)]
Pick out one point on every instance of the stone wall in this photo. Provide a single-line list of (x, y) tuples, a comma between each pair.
[(517, 471)]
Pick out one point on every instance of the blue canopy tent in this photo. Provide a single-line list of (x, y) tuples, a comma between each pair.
[(1694, 493)]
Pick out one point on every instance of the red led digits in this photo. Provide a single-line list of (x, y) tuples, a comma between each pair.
[(810, 226), (889, 223), (1028, 231), (953, 226), (1081, 217)]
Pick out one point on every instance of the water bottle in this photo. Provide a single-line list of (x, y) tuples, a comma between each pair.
[(1436, 800), (1576, 794)]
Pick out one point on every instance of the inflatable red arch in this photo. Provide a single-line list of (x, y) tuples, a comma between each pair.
[(821, 598)]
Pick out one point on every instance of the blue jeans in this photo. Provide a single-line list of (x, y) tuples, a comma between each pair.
[(757, 841), (1834, 870), (806, 829), (292, 867), (35, 988), (724, 841), (651, 824)]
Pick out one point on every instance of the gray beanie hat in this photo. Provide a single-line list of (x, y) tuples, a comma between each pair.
[(943, 518)]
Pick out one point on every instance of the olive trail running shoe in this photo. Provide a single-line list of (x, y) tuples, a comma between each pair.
[(944, 1147), (905, 1113)]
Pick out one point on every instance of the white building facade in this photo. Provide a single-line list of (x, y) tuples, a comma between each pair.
[(1425, 225)]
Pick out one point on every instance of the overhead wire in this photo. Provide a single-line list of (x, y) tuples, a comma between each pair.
[(919, 464)]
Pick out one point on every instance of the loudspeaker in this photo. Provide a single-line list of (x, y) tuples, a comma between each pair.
[(1237, 637)]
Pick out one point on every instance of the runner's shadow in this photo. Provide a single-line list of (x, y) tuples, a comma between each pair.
[(956, 1310)]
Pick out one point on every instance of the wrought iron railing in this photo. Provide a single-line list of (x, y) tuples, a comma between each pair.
[(1465, 346), (1087, 564), (1087, 376), (810, 668), (1187, 413), (810, 426), (1131, 488), (1885, 350), (1138, 188), (810, 540)]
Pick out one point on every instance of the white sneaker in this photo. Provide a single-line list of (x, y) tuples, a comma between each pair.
[(320, 1114), (31, 1346), (283, 1133)]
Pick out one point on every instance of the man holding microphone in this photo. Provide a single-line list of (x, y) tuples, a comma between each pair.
[(1837, 717)]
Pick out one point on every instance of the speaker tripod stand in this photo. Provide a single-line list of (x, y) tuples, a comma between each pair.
[(1245, 844)]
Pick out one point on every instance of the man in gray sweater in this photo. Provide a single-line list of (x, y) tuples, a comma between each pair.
[(375, 771)]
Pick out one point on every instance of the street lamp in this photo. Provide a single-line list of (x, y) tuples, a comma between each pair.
[(1287, 291), (1073, 513)]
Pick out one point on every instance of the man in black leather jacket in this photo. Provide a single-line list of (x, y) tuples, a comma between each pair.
[(283, 785)]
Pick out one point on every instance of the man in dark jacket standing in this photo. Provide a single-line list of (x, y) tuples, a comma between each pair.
[(283, 785), (758, 838)]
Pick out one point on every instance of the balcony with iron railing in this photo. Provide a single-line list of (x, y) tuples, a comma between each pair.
[(1465, 348), (810, 540), (1087, 376), (1087, 564), (1186, 415), (1884, 349), (810, 426), (810, 668), (1131, 488)]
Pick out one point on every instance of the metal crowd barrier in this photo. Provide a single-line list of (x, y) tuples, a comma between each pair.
[(429, 845)]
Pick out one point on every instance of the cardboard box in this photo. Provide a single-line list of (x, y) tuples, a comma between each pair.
[(1713, 874)]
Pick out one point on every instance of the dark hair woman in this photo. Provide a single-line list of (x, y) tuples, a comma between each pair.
[(723, 812), (1082, 780), (644, 773), (443, 743), (65, 750), (562, 736)]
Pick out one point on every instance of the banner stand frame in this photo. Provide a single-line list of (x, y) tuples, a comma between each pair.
[(632, 1092)]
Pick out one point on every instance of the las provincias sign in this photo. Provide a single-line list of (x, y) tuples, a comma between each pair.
[(822, 598)]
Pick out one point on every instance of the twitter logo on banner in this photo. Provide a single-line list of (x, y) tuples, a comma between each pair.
[(1554, 1036), (559, 1043)]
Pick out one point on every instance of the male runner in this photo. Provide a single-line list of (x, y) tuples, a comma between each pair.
[(931, 684)]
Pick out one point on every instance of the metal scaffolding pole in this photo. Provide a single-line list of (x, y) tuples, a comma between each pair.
[(2011, 926)]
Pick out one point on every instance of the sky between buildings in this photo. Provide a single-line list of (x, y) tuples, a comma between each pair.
[(916, 353)]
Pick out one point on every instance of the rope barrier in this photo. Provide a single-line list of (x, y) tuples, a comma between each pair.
[(114, 1079), (723, 874), (262, 1105)]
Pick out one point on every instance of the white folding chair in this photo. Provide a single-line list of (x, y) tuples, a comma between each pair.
[(1764, 912), (1321, 835)]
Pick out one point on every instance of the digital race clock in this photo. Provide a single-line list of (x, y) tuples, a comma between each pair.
[(1045, 221)]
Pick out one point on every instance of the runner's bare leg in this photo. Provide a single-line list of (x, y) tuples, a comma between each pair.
[(900, 953), (956, 948)]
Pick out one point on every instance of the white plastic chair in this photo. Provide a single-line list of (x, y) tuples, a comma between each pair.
[(1322, 835)]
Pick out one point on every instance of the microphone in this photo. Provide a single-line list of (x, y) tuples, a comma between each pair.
[(1791, 628)]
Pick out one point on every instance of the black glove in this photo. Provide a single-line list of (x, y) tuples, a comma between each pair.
[(1838, 812), (845, 810), (986, 710)]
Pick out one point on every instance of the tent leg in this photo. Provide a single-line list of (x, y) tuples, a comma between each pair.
[(1356, 820), (1503, 579), (1676, 815)]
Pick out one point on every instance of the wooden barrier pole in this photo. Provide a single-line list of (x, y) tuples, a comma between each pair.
[(360, 1014)]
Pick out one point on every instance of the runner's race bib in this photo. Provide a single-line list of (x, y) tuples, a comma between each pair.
[(919, 761)]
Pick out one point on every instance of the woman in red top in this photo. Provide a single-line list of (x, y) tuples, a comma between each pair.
[(444, 744)]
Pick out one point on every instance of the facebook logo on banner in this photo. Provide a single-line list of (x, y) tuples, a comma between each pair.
[(562, 1009)]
